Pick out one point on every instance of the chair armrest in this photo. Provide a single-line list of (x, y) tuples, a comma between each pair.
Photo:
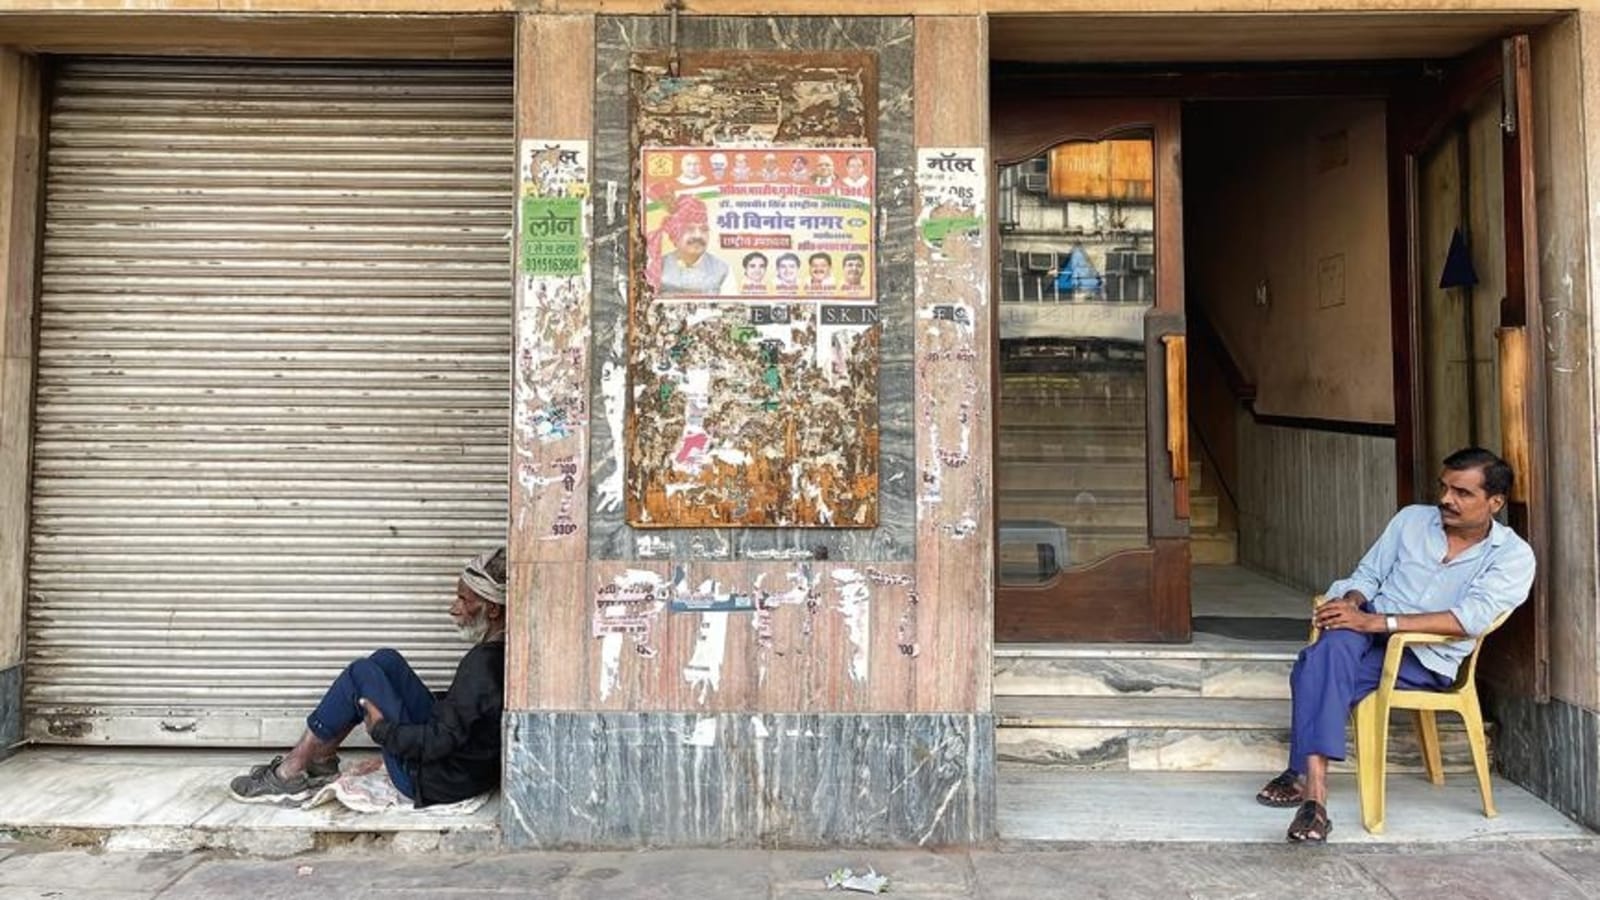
[(1398, 642)]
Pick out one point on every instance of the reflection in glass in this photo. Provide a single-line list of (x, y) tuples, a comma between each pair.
[(1077, 274)]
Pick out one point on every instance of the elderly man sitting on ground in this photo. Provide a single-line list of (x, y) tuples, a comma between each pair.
[(437, 749)]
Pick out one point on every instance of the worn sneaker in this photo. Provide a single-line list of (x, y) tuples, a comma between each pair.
[(320, 771), (264, 785)]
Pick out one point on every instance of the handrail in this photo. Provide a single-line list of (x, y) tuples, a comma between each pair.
[(1242, 388)]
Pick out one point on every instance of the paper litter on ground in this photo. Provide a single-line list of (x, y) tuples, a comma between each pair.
[(868, 882), (373, 792)]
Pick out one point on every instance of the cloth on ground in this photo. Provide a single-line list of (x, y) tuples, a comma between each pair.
[(373, 792)]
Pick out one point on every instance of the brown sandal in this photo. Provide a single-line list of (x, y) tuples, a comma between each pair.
[(1311, 824), (1282, 792)]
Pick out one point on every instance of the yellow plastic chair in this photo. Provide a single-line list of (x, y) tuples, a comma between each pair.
[(1370, 721)]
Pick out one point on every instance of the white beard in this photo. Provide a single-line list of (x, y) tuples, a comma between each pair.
[(475, 631)]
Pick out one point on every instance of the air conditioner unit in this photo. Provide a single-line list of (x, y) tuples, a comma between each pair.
[(1039, 262), (1036, 183)]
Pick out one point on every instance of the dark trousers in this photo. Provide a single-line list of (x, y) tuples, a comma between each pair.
[(386, 680), (1330, 678)]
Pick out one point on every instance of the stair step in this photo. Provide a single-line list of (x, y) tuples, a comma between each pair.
[(1180, 734), (1086, 476), (1020, 559), (1069, 412), (1074, 511), (1261, 677)]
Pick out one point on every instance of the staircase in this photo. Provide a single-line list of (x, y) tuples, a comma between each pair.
[(1214, 705), (1072, 459)]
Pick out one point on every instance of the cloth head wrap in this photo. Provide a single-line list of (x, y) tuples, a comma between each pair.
[(486, 575)]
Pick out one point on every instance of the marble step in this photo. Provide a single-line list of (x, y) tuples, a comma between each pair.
[(1180, 734), (1075, 511), (1210, 666)]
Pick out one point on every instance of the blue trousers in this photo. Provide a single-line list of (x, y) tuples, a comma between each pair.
[(387, 681), (1330, 678)]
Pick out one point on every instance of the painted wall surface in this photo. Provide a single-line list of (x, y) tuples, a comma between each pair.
[(1286, 244)]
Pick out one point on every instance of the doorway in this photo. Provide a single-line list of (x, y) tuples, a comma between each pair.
[(1181, 348)]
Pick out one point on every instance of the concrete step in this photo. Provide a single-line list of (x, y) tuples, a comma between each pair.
[(1209, 666), (1181, 734), (1075, 510)]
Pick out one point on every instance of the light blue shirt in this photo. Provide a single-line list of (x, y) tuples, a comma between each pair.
[(1405, 573)]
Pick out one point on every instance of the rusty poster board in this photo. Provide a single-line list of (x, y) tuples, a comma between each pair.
[(753, 408)]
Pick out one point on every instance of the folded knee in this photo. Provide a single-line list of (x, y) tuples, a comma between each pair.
[(387, 657)]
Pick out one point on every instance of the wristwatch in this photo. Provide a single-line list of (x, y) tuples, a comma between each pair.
[(1391, 623)]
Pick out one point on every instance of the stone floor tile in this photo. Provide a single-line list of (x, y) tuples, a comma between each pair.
[(1506, 875), (670, 875), (374, 874), (1583, 864), (801, 872), (1137, 873), (34, 892), (75, 871)]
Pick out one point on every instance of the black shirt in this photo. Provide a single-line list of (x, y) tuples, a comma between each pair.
[(456, 753)]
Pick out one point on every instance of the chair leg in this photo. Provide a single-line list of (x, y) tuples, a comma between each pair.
[(1372, 739), (1428, 740), (1472, 717)]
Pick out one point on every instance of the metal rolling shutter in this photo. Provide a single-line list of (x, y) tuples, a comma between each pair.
[(273, 386)]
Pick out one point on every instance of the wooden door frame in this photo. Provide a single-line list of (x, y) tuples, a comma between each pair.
[(1159, 571)]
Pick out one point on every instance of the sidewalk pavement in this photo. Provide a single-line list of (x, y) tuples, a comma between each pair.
[(1502, 871)]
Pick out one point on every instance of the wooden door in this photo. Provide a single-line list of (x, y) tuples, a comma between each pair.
[(1464, 263), (1092, 459)]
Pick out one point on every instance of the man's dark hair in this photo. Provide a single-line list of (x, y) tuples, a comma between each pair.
[(819, 255), (856, 257), (749, 256), (1497, 474)]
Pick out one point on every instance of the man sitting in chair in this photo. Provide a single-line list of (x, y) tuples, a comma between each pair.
[(1447, 569)]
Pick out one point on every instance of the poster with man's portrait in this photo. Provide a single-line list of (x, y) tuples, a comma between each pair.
[(759, 224)]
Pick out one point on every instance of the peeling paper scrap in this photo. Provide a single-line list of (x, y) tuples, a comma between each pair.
[(704, 734), (705, 666)]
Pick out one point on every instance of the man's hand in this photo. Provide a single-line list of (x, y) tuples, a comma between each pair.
[(373, 714), (1346, 615)]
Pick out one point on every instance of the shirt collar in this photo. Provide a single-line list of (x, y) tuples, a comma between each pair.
[(1497, 531)]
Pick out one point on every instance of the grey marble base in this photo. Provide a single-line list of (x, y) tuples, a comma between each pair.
[(10, 709), (1553, 750), (633, 780)]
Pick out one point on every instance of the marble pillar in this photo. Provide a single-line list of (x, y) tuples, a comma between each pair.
[(633, 780), (10, 709), (1553, 750)]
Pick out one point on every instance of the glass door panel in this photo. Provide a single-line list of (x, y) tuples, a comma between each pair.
[(1076, 278)]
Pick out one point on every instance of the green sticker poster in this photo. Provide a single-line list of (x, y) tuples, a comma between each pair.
[(552, 236)]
